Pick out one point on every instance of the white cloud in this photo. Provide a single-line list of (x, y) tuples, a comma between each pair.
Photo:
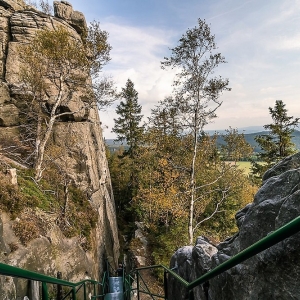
[(136, 54), (260, 40)]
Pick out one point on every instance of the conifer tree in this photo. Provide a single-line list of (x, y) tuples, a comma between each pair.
[(127, 125), (277, 144)]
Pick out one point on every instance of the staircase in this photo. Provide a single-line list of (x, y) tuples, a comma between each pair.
[(115, 288)]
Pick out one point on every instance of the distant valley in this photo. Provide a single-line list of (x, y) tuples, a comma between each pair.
[(248, 133), (249, 137)]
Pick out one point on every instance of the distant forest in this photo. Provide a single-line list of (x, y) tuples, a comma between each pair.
[(249, 137)]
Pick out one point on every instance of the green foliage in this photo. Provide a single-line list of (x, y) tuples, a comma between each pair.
[(124, 163), (277, 144), (97, 47), (121, 166), (164, 243), (222, 189), (127, 126), (13, 201), (80, 216), (235, 147), (14, 198), (55, 65), (196, 95)]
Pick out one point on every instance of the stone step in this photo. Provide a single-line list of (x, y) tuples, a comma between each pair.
[(116, 284), (114, 296)]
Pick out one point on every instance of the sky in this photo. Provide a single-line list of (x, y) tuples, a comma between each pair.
[(259, 39)]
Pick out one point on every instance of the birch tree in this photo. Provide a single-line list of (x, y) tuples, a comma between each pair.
[(56, 66), (196, 91)]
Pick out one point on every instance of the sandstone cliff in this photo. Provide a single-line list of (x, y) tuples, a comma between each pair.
[(272, 274), (85, 158)]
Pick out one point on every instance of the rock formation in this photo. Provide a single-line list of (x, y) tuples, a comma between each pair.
[(272, 274), (86, 159)]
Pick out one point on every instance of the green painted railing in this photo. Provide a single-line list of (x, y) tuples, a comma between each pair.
[(270, 240), (263, 244), (45, 280)]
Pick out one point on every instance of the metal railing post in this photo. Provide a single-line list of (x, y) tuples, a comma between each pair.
[(95, 289), (73, 293), (166, 284), (44, 291), (191, 295), (59, 295), (138, 285), (84, 291)]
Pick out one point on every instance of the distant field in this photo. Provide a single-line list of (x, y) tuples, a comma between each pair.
[(243, 165)]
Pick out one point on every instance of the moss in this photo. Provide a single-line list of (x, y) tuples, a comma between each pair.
[(47, 195), (81, 216)]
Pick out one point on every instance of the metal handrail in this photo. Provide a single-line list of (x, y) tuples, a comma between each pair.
[(44, 279), (270, 240)]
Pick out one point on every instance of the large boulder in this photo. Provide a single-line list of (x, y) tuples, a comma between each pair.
[(272, 274), (13, 4), (191, 263), (83, 157), (76, 19)]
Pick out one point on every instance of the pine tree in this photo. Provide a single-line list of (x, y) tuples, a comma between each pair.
[(127, 126), (277, 144)]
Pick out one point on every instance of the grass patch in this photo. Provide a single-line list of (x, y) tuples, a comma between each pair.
[(245, 166)]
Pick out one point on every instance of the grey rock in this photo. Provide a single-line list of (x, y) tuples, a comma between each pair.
[(76, 19), (190, 263), (4, 38), (13, 4), (4, 93), (273, 273), (83, 158), (289, 163), (9, 115)]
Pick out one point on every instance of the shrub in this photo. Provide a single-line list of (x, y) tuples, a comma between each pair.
[(26, 230)]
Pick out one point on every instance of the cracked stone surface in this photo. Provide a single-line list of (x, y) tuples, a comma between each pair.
[(272, 274), (84, 160)]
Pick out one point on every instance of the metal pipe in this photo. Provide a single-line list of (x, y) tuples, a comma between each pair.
[(84, 291), (138, 284), (73, 293), (59, 295), (271, 239), (44, 291), (166, 284)]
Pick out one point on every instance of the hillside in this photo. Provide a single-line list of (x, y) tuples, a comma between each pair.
[(113, 146), (249, 137)]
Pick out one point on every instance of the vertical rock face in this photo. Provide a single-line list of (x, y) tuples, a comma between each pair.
[(86, 159), (191, 263), (272, 274)]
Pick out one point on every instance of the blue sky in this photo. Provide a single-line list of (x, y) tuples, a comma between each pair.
[(259, 39)]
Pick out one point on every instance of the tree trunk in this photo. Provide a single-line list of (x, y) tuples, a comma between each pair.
[(192, 183), (42, 142)]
